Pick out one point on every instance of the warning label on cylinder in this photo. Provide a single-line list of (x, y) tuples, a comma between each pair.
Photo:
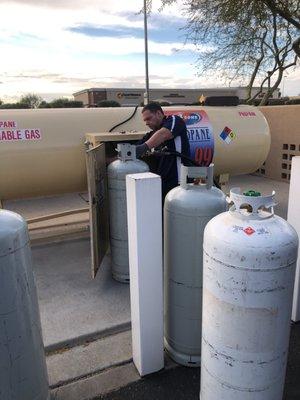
[(10, 135), (200, 134)]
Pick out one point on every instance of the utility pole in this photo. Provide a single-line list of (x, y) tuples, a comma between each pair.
[(146, 95)]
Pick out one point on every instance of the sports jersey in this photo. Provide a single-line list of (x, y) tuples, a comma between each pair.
[(168, 166)]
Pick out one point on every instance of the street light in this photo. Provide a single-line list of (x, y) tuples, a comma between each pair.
[(283, 82), (146, 95)]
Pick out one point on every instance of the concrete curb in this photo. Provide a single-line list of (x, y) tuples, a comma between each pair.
[(68, 344), (102, 383)]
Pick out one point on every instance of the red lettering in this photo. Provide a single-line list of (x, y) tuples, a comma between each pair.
[(203, 156), (9, 135), (3, 135), (19, 137), (207, 156), (198, 155), (37, 134), (27, 133), (247, 114), (8, 124)]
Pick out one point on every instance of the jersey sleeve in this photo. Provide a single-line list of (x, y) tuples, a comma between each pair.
[(173, 123)]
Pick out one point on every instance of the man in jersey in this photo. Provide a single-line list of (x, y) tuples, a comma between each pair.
[(167, 131)]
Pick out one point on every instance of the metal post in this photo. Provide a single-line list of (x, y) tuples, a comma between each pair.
[(146, 96), (283, 82), (269, 80)]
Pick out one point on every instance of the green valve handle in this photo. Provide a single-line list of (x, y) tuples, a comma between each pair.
[(252, 193)]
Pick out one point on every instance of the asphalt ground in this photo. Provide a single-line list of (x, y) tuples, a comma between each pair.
[(183, 383)]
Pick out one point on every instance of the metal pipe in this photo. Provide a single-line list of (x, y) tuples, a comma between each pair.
[(146, 97)]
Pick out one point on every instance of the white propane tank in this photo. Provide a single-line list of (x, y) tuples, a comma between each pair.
[(23, 371), (187, 210), (117, 171), (42, 151), (248, 277)]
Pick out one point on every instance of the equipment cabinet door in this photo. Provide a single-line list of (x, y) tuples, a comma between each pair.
[(98, 204)]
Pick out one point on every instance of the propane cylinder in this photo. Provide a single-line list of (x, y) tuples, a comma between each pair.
[(23, 373), (187, 210), (249, 257), (116, 172)]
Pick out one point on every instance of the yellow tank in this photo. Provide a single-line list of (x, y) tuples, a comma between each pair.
[(42, 152)]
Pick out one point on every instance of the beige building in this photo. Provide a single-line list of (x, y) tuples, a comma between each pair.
[(133, 97)]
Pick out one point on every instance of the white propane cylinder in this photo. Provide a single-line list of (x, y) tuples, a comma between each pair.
[(116, 172), (248, 276), (187, 210), (23, 371)]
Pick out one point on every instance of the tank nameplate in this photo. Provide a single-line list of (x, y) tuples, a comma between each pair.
[(200, 134)]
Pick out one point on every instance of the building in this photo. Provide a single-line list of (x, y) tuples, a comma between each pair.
[(133, 97)]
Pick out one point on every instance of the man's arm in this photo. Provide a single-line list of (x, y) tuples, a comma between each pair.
[(159, 137), (155, 140)]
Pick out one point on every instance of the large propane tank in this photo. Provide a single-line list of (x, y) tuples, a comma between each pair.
[(23, 373), (248, 277), (42, 151), (187, 210), (117, 171)]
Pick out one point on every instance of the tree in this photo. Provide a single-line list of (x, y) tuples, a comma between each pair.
[(11, 106), (289, 10), (44, 104), (65, 103), (108, 103), (281, 56), (31, 100), (245, 40)]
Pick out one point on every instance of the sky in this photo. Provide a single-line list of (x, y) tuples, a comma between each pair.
[(57, 47)]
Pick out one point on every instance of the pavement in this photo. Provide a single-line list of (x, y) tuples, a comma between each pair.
[(183, 383), (73, 306), (86, 323)]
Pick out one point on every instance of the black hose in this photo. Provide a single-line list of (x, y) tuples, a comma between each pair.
[(126, 120), (182, 156)]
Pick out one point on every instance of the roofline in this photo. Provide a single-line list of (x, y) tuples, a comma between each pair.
[(165, 89)]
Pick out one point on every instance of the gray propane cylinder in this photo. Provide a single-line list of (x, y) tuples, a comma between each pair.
[(23, 373), (249, 263), (117, 171), (187, 210)]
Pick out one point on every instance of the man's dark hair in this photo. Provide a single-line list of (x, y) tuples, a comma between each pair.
[(153, 107)]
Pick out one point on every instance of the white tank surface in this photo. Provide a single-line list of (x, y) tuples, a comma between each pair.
[(187, 210), (23, 373), (117, 171), (248, 277), (42, 151)]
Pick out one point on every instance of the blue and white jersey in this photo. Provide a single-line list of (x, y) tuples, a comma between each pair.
[(168, 166)]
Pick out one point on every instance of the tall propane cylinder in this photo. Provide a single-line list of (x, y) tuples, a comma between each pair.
[(117, 171), (23, 373), (187, 210), (248, 277)]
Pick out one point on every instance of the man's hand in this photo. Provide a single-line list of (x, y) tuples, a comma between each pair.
[(141, 149)]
